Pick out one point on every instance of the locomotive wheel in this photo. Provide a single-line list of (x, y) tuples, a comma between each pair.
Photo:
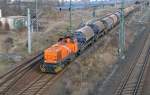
[(43, 69)]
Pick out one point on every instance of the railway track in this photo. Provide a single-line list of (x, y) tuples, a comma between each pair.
[(133, 81), (141, 78), (11, 77), (36, 86), (44, 80)]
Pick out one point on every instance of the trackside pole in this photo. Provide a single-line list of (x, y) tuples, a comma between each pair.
[(29, 31), (122, 33), (70, 10), (36, 9)]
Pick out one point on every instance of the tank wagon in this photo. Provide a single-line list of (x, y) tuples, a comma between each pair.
[(66, 49), (128, 10)]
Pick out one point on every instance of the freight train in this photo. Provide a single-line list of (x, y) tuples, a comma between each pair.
[(57, 56)]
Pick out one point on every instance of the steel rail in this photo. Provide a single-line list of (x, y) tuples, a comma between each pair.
[(131, 68)]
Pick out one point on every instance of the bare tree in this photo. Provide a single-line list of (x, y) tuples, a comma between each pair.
[(3, 6)]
